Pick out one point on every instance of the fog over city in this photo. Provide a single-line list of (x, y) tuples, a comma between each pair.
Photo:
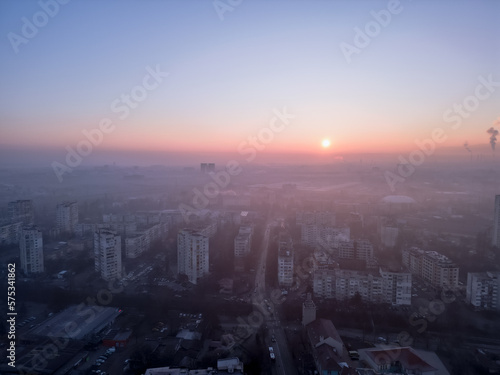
[(250, 187)]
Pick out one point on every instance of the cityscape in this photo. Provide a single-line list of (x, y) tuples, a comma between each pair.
[(250, 187)]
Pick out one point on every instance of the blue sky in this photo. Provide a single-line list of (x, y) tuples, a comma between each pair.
[(227, 76)]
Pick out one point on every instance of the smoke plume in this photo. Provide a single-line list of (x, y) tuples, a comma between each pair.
[(493, 137), (466, 146)]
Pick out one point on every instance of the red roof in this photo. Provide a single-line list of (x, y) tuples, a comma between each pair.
[(407, 356)]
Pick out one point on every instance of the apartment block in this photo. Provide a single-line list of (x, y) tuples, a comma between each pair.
[(243, 242), (192, 255), (31, 246), (355, 249), (482, 290), (108, 254), (285, 260), (384, 286), (10, 233), (141, 241), (323, 236), (431, 266), (21, 211), (67, 216)]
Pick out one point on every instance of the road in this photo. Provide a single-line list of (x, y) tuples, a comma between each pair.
[(262, 302)]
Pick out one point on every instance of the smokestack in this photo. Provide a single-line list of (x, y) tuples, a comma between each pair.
[(493, 138), (466, 146)]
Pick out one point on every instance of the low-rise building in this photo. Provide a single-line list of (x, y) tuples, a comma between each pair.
[(382, 287), (398, 360)]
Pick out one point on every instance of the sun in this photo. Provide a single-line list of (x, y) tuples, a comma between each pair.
[(325, 143)]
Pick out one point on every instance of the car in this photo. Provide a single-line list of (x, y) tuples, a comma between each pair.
[(273, 357), (271, 350), (273, 338)]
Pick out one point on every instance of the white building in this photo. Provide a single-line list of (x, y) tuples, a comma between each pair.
[(31, 245), (389, 235), (135, 246), (141, 241), (243, 242), (67, 216), (435, 268), (323, 236), (386, 286), (192, 255), (482, 290), (285, 260), (496, 225), (355, 249), (396, 287), (108, 254)]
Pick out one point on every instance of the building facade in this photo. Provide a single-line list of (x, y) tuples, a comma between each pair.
[(31, 246), (285, 260), (382, 287), (355, 249), (242, 247), (67, 216), (21, 211), (496, 225), (192, 255), (432, 267), (482, 290), (108, 254)]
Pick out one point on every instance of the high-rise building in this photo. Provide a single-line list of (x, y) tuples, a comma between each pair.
[(108, 254), (435, 268), (285, 260), (243, 242), (21, 211), (389, 235), (242, 246), (496, 225), (482, 290), (31, 245), (192, 255), (396, 287), (67, 216), (308, 310)]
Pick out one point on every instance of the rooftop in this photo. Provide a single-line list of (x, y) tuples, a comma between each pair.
[(76, 322)]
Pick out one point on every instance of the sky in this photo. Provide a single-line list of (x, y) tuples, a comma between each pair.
[(370, 76)]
